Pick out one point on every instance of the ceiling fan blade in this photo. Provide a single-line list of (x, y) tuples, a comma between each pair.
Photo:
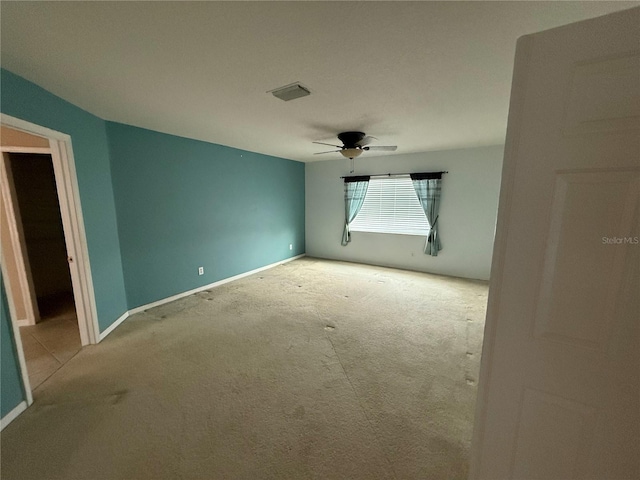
[(330, 151), (366, 140), (386, 148), (330, 144)]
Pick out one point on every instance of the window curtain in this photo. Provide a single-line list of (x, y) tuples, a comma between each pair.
[(355, 189), (428, 189)]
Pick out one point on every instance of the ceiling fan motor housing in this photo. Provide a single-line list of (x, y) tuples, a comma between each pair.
[(351, 139)]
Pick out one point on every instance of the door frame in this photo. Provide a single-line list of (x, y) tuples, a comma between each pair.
[(61, 151)]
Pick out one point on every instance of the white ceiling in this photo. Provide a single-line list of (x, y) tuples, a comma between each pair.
[(420, 75)]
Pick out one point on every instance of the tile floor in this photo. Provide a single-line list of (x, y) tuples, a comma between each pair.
[(51, 342)]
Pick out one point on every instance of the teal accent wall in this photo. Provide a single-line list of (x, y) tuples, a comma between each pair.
[(25, 100), (11, 389), (156, 207), (182, 204)]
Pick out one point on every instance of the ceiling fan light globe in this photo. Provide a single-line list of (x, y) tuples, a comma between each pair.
[(351, 152)]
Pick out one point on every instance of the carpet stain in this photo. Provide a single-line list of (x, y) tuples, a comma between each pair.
[(118, 396), (87, 402)]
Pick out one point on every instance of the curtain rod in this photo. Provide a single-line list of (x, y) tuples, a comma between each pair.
[(391, 174)]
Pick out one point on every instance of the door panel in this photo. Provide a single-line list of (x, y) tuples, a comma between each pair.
[(559, 391), (587, 206)]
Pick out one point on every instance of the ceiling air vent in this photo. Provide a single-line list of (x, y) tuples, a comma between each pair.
[(290, 92)]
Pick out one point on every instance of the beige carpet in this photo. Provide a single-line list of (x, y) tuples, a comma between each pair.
[(310, 370)]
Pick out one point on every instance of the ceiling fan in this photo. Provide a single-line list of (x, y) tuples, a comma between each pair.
[(354, 143)]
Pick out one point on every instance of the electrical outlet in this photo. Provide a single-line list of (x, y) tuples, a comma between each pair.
[(291, 246), (200, 270)]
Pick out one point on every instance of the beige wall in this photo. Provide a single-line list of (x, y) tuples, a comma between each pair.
[(11, 268), (15, 138)]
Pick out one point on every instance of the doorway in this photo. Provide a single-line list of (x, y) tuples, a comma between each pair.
[(44, 252), (51, 337)]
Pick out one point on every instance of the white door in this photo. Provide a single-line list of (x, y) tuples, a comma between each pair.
[(559, 394)]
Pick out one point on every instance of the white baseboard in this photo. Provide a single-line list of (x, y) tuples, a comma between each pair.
[(13, 414), (157, 303), (113, 326), (23, 323)]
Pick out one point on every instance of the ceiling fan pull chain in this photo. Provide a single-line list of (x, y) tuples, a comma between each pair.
[(352, 165)]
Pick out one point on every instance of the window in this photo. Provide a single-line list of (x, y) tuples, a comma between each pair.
[(391, 206)]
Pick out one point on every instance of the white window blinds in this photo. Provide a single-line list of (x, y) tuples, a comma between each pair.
[(391, 206)]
